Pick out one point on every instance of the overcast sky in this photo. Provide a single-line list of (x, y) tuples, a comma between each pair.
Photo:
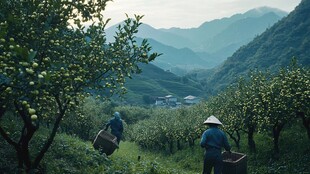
[(186, 13)]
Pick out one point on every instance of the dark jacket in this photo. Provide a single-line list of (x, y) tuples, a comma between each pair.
[(116, 125), (214, 138)]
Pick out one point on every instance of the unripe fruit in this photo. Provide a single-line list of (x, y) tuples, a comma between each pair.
[(31, 111), (29, 70), (43, 73), (24, 63), (8, 89), (34, 117), (34, 65)]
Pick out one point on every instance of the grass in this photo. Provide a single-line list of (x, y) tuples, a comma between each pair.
[(176, 163), (72, 155), (294, 155)]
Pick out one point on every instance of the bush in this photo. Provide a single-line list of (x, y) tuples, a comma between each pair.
[(67, 155), (133, 114), (71, 155)]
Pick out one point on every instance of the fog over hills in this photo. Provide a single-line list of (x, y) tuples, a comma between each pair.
[(256, 39), (212, 42)]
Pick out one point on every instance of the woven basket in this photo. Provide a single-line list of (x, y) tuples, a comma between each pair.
[(105, 142), (234, 163)]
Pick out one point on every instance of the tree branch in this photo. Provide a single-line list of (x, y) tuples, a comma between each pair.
[(7, 138), (26, 119), (62, 110)]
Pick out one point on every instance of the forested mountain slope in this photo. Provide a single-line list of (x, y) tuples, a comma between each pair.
[(155, 82), (270, 50)]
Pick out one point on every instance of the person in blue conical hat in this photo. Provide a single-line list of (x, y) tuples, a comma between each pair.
[(213, 139), (116, 125)]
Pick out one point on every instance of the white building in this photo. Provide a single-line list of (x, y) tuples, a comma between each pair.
[(168, 100), (191, 100), (160, 101)]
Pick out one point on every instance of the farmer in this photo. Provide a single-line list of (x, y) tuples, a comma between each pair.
[(213, 139), (116, 126)]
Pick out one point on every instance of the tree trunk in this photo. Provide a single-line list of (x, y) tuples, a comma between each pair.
[(276, 134), (22, 147), (191, 142), (179, 145), (2, 111), (236, 139), (171, 146), (52, 135), (25, 149), (251, 142), (307, 126), (305, 122), (20, 159)]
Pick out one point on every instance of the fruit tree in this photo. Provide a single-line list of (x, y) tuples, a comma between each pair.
[(50, 60)]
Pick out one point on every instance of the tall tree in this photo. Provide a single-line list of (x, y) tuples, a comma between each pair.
[(49, 60), (296, 89)]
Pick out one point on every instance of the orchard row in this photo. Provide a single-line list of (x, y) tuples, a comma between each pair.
[(259, 103)]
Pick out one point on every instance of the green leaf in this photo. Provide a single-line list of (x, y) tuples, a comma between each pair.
[(23, 52), (32, 55)]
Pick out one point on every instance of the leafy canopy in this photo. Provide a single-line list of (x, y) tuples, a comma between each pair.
[(49, 61)]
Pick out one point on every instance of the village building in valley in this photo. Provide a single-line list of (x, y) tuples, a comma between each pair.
[(172, 101)]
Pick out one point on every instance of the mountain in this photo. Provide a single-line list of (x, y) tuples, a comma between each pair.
[(209, 44), (208, 31), (146, 31), (288, 37), (179, 59), (240, 32), (154, 82), (272, 49), (173, 58), (222, 37)]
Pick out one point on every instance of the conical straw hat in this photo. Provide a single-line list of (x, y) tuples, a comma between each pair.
[(212, 119)]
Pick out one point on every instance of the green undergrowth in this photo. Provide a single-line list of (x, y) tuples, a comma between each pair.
[(131, 156), (294, 156), (67, 154), (70, 154)]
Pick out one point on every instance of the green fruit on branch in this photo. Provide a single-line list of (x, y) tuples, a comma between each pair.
[(31, 111), (34, 117)]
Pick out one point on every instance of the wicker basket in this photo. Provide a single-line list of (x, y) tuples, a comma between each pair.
[(234, 163), (105, 142)]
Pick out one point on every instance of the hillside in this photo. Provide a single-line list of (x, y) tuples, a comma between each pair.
[(147, 31), (154, 82), (240, 32), (209, 44), (272, 49), (174, 58), (208, 32)]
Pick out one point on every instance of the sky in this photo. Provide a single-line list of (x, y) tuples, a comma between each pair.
[(186, 13)]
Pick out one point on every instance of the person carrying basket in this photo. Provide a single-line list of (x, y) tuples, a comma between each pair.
[(213, 139), (116, 125)]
